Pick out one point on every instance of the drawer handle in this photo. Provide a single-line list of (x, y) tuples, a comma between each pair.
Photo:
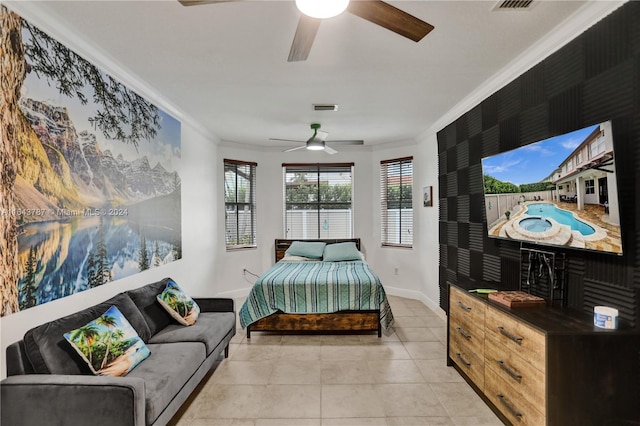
[(463, 306), (465, 335), (509, 371), (508, 406), (464, 361), (513, 337)]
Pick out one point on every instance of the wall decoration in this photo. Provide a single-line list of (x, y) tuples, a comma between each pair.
[(427, 196), (90, 173)]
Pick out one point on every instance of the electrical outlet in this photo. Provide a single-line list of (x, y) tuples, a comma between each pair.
[(397, 271), (244, 271)]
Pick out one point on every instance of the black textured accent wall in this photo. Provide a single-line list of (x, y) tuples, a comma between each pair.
[(594, 78)]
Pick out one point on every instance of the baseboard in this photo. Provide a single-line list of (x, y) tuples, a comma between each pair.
[(416, 295)]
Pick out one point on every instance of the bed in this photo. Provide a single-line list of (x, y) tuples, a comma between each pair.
[(302, 295)]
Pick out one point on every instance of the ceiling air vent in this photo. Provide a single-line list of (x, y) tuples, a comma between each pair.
[(325, 107), (513, 5)]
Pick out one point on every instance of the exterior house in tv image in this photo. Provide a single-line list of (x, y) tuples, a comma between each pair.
[(587, 175), (561, 191)]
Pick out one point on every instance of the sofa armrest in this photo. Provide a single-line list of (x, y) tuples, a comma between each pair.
[(215, 304), (72, 400)]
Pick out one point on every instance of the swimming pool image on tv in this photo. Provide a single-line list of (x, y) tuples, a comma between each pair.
[(534, 224), (548, 210)]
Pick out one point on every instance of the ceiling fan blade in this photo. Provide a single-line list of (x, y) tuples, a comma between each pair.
[(199, 2), (294, 149), (285, 140), (329, 150), (349, 142), (321, 135), (303, 40), (391, 18)]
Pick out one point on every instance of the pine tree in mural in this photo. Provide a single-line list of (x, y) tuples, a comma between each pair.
[(156, 254), (30, 288), (98, 269), (143, 264), (177, 250)]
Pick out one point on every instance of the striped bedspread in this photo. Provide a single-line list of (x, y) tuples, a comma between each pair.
[(316, 287)]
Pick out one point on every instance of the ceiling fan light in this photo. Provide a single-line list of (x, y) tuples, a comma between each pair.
[(322, 8), (314, 145)]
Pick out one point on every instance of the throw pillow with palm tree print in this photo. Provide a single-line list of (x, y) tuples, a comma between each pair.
[(109, 344), (178, 303)]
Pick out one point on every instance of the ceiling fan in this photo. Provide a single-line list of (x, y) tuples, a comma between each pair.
[(375, 11), (317, 142)]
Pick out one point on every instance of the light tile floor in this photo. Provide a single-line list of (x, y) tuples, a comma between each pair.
[(329, 380)]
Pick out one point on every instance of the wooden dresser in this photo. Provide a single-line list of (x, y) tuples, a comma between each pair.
[(544, 365)]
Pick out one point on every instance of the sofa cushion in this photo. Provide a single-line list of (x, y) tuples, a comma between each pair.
[(50, 353), (179, 304), (115, 354), (154, 314), (165, 372), (210, 329)]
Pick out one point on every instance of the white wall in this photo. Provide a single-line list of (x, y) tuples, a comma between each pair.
[(426, 174)]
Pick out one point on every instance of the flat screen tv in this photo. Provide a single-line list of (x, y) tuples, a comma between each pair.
[(560, 191)]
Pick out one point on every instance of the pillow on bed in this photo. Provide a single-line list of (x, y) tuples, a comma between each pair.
[(290, 258), (340, 252), (310, 249)]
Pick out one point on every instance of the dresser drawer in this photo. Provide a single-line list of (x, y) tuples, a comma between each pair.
[(523, 340), (471, 363), (465, 306), (512, 404), (517, 372), (468, 335)]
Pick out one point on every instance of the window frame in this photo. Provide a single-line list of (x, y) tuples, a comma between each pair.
[(589, 186), (237, 204), (384, 202), (320, 168)]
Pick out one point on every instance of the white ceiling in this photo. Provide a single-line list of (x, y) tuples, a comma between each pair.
[(224, 66)]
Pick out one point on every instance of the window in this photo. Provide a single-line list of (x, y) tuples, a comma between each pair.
[(569, 165), (589, 186), (598, 146), (396, 182), (318, 200), (240, 204)]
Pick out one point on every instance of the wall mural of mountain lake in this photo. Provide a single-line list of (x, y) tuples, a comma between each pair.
[(96, 196)]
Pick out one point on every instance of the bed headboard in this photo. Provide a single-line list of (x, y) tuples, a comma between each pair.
[(283, 245)]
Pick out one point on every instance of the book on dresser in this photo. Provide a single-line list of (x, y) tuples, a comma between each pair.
[(543, 366)]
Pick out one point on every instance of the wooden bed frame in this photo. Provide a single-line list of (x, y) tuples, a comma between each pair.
[(337, 322)]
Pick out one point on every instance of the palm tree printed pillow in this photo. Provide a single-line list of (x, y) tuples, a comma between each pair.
[(109, 344), (178, 303)]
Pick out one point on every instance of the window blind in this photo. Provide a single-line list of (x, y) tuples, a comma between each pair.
[(396, 195), (240, 204), (318, 200)]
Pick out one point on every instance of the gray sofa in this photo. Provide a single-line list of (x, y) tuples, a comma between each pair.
[(48, 383)]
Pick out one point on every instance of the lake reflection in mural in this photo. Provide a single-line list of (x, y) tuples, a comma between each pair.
[(66, 257)]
